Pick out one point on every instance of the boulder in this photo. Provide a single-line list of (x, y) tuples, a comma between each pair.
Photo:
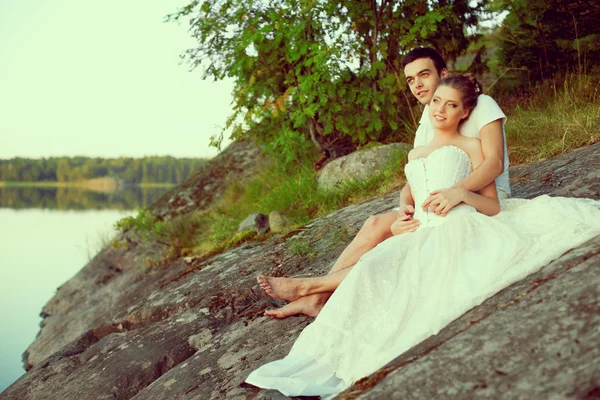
[(257, 222), (278, 222), (361, 165), (195, 330)]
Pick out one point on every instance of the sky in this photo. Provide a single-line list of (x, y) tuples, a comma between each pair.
[(102, 79)]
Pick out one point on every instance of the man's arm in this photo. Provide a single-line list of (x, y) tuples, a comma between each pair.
[(492, 144), (485, 200)]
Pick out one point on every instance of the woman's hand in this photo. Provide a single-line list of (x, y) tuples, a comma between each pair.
[(404, 210), (443, 200), (405, 223)]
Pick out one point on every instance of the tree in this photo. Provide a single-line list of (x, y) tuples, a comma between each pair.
[(549, 36), (63, 170), (319, 75)]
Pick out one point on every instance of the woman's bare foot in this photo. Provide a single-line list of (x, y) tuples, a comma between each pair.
[(288, 289), (309, 305)]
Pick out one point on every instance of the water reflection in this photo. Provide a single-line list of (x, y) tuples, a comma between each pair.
[(40, 249), (66, 198)]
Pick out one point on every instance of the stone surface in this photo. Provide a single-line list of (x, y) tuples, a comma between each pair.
[(573, 174), (194, 329), (255, 222), (278, 222), (239, 161), (360, 165)]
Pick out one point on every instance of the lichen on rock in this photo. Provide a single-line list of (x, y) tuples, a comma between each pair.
[(195, 329)]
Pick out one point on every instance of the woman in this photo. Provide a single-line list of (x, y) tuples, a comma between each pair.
[(412, 285)]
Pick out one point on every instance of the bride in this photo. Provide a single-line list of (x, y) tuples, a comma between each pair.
[(413, 284)]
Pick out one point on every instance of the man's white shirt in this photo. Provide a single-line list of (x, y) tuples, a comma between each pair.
[(486, 111)]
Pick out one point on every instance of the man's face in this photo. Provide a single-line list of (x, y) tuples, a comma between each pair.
[(423, 78)]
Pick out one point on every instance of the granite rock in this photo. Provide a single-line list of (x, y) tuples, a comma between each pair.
[(257, 222), (194, 329), (360, 165)]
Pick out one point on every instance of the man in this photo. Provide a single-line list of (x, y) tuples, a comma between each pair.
[(423, 68)]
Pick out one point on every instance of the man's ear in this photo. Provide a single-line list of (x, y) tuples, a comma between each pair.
[(444, 73)]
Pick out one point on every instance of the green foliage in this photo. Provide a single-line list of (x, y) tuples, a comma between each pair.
[(560, 116), (549, 36), (180, 235), (291, 191), (117, 244), (145, 224), (300, 247), (319, 75)]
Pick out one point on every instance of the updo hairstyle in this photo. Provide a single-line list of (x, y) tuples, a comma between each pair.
[(467, 85)]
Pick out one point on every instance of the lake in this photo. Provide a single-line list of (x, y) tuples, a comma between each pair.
[(46, 237)]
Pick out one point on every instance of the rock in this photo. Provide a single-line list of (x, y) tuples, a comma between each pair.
[(278, 222), (196, 329), (257, 222), (360, 165), (573, 174), (241, 160)]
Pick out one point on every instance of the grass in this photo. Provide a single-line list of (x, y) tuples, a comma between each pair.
[(293, 192), (558, 117), (300, 247), (553, 118)]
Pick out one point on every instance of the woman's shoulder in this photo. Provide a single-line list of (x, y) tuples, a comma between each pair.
[(418, 152), (471, 145)]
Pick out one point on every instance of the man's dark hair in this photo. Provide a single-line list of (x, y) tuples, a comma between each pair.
[(425, 52)]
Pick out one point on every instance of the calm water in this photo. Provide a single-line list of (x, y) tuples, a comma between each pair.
[(40, 249)]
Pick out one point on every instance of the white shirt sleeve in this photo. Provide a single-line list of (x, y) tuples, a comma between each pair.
[(487, 111)]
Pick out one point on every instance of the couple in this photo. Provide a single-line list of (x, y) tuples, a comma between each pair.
[(424, 67), (457, 251)]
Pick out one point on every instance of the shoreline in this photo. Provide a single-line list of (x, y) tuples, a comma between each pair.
[(91, 185)]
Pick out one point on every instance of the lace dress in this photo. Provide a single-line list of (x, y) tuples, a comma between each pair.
[(412, 285)]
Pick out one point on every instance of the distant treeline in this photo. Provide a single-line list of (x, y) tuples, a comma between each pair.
[(164, 169), (66, 198)]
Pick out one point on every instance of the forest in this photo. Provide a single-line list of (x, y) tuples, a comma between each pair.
[(163, 169)]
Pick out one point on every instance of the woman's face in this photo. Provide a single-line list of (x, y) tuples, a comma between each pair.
[(446, 108)]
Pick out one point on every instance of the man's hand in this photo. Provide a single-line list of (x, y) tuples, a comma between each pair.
[(405, 222), (443, 200)]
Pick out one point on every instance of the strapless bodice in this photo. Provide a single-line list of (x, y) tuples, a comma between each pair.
[(441, 169)]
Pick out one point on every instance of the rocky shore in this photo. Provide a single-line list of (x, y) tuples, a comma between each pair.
[(194, 329)]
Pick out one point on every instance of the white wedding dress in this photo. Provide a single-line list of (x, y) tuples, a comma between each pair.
[(412, 285)]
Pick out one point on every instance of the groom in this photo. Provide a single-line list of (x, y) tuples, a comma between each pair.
[(423, 69)]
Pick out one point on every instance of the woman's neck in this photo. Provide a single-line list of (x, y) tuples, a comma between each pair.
[(444, 137)]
